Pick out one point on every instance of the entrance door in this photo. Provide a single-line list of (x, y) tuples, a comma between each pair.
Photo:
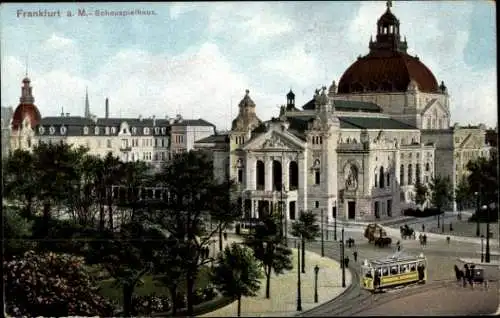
[(351, 210), (377, 210)]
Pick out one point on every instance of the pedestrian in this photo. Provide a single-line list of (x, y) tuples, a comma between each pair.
[(423, 227), (457, 273), (424, 238), (355, 254), (448, 240), (421, 239), (346, 261)]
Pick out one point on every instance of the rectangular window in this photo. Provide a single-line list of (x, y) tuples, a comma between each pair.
[(108, 143), (389, 207), (334, 212), (316, 177), (316, 204)]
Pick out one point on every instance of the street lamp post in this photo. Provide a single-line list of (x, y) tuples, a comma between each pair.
[(482, 249), (322, 237), (299, 298), (316, 270), (342, 258), (335, 225), (487, 256), (477, 213)]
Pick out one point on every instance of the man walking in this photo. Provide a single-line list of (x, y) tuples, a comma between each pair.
[(355, 254)]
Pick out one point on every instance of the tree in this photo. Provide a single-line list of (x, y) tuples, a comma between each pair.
[(224, 210), (268, 247), (51, 285), (17, 232), (462, 193), (237, 273), (306, 228), (420, 193), (483, 178), (192, 189), (126, 255), (19, 179), (110, 174), (441, 192), (56, 174), (168, 264)]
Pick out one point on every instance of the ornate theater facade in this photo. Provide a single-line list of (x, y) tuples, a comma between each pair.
[(354, 151)]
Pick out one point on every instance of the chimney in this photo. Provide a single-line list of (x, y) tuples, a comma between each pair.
[(140, 117), (154, 120), (67, 114), (106, 115)]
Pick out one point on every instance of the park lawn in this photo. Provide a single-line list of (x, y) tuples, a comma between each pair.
[(150, 286)]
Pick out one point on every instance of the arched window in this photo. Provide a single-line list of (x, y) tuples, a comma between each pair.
[(382, 177), (410, 174), (402, 175), (239, 166), (277, 176), (388, 179), (293, 176), (260, 175), (317, 170), (376, 178), (427, 167)]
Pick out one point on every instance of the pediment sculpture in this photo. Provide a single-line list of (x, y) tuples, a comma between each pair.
[(274, 143), (351, 181)]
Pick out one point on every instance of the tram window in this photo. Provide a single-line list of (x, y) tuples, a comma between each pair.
[(385, 271), (378, 271), (368, 273), (413, 267), (394, 270), (403, 268)]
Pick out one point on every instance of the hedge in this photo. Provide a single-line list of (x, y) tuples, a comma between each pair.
[(202, 308), (422, 214)]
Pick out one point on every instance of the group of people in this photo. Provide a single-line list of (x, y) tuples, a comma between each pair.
[(422, 239)]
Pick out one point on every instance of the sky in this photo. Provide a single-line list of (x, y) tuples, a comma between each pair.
[(197, 59)]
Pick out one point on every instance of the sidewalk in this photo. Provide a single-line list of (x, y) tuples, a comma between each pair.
[(283, 300)]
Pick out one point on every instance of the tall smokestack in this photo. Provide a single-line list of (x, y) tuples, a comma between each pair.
[(107, 108)]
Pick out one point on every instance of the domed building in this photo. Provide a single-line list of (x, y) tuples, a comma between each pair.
[(25, 118), (356, 150)]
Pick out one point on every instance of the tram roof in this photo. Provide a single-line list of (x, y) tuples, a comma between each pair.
[(398, 257)]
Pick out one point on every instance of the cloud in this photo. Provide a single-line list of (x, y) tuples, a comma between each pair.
[(56, 42), (265, 47), (258, 21)]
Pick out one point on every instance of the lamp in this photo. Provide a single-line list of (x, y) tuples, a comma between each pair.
[(476, 194), (482, 250)]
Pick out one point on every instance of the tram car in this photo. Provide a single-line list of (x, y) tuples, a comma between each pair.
[(393, 271)]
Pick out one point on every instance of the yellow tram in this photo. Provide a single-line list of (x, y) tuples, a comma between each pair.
[(393, 271)]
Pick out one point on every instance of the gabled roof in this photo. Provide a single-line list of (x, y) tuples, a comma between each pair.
[(214, 139), (193, 122)]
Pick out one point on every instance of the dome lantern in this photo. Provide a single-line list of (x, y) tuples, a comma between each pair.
[(290, 100)]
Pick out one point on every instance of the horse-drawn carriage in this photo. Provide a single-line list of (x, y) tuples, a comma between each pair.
[(406, 232), (376, 234)]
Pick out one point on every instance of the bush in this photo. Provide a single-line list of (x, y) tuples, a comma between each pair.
[(146, 305), (52, 285), (421, 214)]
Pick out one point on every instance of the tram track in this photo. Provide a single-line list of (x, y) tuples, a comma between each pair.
[(356, 299)]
